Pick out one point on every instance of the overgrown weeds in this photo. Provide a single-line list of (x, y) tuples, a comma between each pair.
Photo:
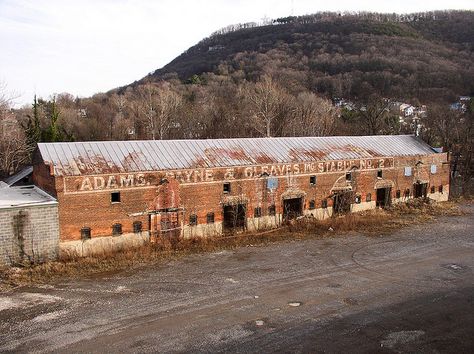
[(374, 222)]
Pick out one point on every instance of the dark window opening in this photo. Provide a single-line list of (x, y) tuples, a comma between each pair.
[(117, 229), (272, 210), (312, 180), (235, 217), (115, 197), (358, 199), (226, 187), (440, 189), (324, 203), (379, 173), (312, 204), (85, 233), (193, 219), (407, 193), (432, 189), (398, 193), (257, 212), (137, 227), (210, 218), (384, 198), (368, 197), (348, 176), (292, 208)]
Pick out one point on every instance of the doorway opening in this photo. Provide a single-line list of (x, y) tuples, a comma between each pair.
[(342, 202), (292, 208), (165, 224), (420, 190), (234, 217), (383, 197)]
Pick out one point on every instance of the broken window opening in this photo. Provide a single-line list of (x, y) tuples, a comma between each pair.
[(348, 176), (432, 190), (312, 180), (257, 212), (368, 197), (210, 218), (272, 210), (440, 189), (398, 194), (117, 229), (379, 174), (324, 203), (226, 187), (137, 227), (312, 204), (193, 220), (115, 197)]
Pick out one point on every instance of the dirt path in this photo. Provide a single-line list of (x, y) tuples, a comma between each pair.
[(412, 291)]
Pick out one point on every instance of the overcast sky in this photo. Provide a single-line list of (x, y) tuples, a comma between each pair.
[(89, 46)]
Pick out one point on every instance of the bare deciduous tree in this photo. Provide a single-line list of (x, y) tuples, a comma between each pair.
[(313, 116)]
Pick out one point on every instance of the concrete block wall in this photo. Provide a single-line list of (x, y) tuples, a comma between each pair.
[(34, 239)]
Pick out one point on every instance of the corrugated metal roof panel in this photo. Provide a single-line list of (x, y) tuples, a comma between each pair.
[(78, 158)]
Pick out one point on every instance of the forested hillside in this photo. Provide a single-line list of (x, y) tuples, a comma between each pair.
[(426, 56)]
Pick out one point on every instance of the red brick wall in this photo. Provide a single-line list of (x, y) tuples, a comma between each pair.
[(95, 209)]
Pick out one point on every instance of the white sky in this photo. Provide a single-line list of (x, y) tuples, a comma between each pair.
[(89, 46)]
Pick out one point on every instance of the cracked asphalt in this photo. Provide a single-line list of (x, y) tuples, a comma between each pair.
[(411, 291)]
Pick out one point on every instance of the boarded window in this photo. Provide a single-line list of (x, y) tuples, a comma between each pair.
[(271, 210), (407, 171), (272, 183), (210, 218), (440, 189), (257, 212), (324, 203), (368, 197), (115, 197), (312, 180), (193, 219), (433, 169), (226, 187), (379, 173), (398, 193), (312, 204)]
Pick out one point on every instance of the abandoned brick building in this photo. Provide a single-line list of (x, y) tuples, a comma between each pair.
[(209, 187)]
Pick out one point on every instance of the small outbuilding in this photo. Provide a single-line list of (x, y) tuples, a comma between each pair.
[(29, 227)]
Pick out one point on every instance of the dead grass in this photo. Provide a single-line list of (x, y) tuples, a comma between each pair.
[(374, 223)]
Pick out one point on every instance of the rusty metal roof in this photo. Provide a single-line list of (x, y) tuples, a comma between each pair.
[(100, 157)]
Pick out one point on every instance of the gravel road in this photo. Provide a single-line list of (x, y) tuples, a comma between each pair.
[(411, 291)]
